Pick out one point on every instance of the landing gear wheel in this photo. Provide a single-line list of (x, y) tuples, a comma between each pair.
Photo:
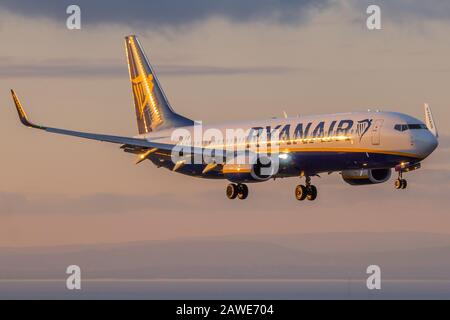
[(312, 192), (232, 191), (242, 190), (301, 192), (400, 184), (404, 183)]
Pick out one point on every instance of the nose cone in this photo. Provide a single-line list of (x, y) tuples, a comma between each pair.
[(425, 143)]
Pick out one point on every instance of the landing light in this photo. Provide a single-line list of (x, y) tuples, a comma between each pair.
[(283, 156)]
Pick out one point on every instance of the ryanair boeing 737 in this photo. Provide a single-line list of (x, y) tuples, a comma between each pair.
[(364, 147)]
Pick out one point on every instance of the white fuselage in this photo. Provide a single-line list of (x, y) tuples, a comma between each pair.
[(341, 132)]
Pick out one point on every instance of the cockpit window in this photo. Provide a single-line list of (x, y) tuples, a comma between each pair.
[(413, 126), (416, 126)]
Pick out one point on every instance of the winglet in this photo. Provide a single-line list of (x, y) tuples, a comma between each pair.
[(429, 121), (22, 115)]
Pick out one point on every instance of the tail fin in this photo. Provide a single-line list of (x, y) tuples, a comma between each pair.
[(153, 111)]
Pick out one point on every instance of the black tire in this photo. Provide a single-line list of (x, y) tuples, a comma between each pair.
[(398, 183), (232, 191), (300, 192), (404, 184), (242, 191), (312, 193)]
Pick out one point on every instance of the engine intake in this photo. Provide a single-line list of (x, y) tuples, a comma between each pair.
[(366, 176)]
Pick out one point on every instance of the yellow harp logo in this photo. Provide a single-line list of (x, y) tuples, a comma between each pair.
[(143, 91), (143, 88)]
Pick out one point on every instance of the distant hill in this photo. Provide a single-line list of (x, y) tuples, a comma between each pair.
[(303, 256)]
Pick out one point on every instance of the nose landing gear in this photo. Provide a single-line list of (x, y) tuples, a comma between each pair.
[(239, 190), (400, 183), (308, 191)]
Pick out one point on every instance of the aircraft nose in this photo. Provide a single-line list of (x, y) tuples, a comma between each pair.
[(425, 143)]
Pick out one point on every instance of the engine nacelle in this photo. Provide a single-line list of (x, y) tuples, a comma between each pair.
[(241, 171), (366, 176)]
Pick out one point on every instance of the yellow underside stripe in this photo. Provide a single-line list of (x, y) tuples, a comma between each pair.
[(357, 177), (237, 171), (350, 150)]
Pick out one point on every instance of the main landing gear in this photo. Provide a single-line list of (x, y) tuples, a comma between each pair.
[(239, 190), (308, 191), (400, 183)]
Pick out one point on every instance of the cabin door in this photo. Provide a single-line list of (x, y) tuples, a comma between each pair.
[(376, 136)]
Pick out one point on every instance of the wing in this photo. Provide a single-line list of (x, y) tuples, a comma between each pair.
[(140, 146), (127, 141)]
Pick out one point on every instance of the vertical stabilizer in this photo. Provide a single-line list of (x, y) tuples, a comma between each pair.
[(153, 111)]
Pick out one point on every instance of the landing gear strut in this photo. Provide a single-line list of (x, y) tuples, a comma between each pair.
[(400, 183), (307, 191), (239, 190)]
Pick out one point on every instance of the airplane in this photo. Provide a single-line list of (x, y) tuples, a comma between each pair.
[(364, 147)]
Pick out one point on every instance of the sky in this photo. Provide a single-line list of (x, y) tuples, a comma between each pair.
[(217, 61)]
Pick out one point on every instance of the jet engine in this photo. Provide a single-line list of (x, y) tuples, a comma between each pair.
[(366, 176), (239, 170)]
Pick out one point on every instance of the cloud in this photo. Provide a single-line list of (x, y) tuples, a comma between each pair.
[(71, 68), (402, 10), (180, 70), (168, 12), (59, 68), (100, 203), (431, 184)]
